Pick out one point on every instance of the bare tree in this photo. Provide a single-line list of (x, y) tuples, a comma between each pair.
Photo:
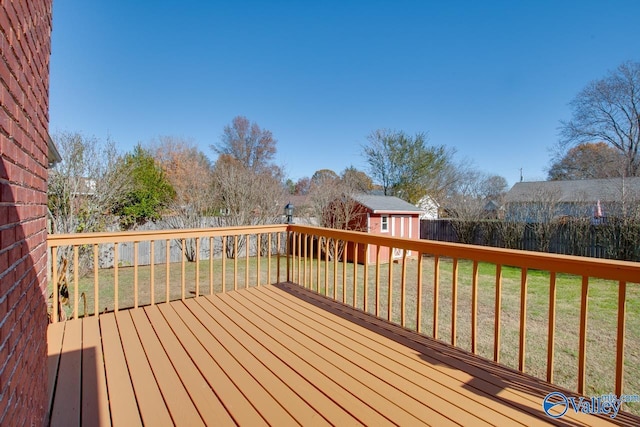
[(86, 184), (302, 186), (467, 199), (333, 203), (609, 110), (248, 186), (246, 197), (247, 143), (191, 175), (84, 187), (543, 213)]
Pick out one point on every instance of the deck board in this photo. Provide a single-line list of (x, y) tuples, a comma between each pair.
[(66, 411), (406, 364), (316, 372), (55, 333), (180, 406), (313, 397), (373, 372), (239, 408), (153, 408), (122, 401), (299, 409), (390, 401), (420, 378), (95, 400), (207, 403), (265, 403), (277, 355)]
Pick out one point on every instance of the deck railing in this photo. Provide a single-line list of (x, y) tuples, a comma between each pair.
[(452, 292), (80, 259), (398, 288)]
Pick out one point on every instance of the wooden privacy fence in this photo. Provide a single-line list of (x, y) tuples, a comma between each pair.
[(387, 290), (612, 239)]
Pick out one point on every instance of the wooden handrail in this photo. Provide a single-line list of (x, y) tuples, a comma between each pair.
[(308, 250), (388, 293), (90, 244), (626, 271)]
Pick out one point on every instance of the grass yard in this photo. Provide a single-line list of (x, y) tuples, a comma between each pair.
[(601, 324)]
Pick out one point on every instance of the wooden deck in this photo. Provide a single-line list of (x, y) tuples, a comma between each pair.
[(277, 355)]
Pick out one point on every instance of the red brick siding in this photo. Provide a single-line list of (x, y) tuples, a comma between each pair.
[(25, 48)]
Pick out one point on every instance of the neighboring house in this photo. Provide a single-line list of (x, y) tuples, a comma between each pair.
[(543, 201), (493, 210), (429, 208), (387, 216), (85, 187)]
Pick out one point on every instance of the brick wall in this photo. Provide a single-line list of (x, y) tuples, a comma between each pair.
[(25, 47)]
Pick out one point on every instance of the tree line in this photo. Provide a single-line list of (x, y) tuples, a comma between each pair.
[(171, 178)]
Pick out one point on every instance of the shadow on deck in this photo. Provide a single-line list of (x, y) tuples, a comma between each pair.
[(278, 355)]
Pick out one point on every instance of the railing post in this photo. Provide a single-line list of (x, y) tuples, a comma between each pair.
[(135, 274), (552, 325), (183, 271), (622, 295), (54, 281), (152, 271), (211, 265), (497, 311), (95, 280), (287, 250), (75, 281), (474, 308), (419, 295), (403, 295), (436, 291), (115, 277), (454, 301), (224, 264), (197, 266), (582, 350), (523, 319), (167, 250)]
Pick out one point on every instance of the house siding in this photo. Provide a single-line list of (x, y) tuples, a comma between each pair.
[(25, 44)]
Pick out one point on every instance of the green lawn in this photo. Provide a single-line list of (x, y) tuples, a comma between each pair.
[(602, 313)]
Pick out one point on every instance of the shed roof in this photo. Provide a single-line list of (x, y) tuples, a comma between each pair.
[(386, 204), (585, 190)]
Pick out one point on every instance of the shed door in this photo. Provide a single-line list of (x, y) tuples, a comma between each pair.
[(400, 227)]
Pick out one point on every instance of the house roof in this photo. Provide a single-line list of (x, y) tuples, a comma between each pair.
[(585, 190), (386, 204), (53, 154)]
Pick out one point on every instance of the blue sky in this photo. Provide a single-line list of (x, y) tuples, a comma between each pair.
[(491, 79)]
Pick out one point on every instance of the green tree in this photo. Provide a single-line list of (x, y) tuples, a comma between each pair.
[(150, 192), (405, 166)]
